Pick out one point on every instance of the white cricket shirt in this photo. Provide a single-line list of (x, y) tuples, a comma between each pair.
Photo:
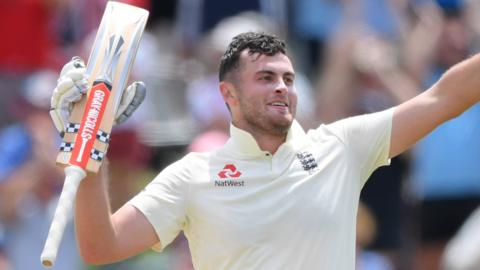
[(242, 208)]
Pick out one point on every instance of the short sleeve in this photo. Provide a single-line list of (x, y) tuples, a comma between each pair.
[(367, 140), (163, 202)]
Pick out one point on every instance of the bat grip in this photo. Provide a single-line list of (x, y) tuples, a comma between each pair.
[(73, 176)]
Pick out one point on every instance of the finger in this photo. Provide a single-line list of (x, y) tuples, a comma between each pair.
[(60, 113), (140, 93), (75, 63), (131, 102), (59, 118), (77, 74), (127, 97), (57, 121), (66, 91)]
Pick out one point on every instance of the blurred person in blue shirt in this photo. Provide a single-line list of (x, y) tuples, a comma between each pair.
[(445, 171), (30, 181)]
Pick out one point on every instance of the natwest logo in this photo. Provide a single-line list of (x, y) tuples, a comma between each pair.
[(229, 171), (229, 177)]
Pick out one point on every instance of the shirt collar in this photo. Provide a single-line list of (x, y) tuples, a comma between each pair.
[(243, 143)]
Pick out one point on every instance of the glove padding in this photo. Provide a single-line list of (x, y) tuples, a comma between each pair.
[(73, 84), (132, 97)]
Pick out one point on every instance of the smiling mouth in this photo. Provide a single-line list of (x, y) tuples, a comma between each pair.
[(279, 104)]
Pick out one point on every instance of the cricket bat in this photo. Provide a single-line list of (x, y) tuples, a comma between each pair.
[(86, 138)]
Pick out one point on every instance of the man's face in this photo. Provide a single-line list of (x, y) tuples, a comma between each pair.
[(264, 88)]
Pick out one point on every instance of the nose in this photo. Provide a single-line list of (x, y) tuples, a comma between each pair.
[(281, 87)]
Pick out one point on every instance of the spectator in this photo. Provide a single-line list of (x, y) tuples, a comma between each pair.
[(29, 180), (362, 75), (445, 168)]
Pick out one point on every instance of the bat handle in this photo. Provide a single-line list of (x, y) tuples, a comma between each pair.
[(73, 176)]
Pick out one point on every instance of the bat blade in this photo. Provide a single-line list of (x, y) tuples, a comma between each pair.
[(112, 56), (87, 135)]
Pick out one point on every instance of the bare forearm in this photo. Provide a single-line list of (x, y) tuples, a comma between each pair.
[(94, 229), (455, 92), (459, 87)]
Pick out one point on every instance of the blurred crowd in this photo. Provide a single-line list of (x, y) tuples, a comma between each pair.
[(351, 57)]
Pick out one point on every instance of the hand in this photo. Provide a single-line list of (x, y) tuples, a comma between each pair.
[(132, 97), (73, 84)]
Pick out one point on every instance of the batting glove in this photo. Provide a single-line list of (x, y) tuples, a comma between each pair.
[(131, 99), (73, 84)]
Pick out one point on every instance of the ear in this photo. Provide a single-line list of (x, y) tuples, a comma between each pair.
[(228, 93)]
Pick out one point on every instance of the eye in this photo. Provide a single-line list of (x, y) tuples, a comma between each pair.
[(288, 80), (267, 78)]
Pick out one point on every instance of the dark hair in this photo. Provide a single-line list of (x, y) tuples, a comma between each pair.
[(255, 42)]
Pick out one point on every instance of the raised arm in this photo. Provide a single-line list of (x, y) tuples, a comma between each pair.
[(103, 237), (456, 91)]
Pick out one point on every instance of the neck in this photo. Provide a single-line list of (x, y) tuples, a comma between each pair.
[(266, 141), (269, 144)]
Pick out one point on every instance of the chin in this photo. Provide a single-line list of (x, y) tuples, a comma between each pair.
[(282, 127), (285, 120)]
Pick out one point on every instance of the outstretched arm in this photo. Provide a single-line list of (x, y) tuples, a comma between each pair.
[(456, 91)]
